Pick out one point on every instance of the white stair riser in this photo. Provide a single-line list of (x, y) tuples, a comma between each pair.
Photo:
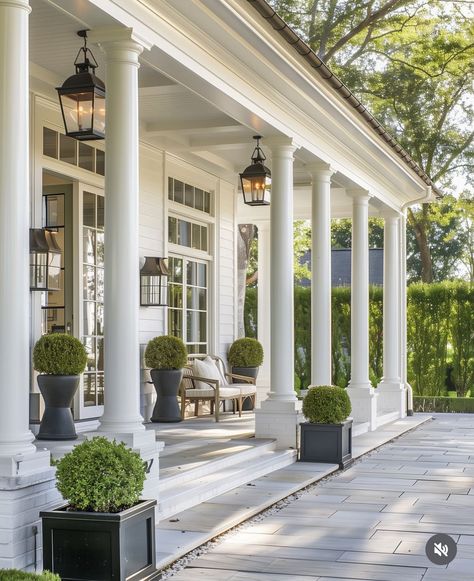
[(205, 491), (213, 466)]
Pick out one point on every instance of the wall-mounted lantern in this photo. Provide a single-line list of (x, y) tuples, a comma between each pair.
[(82, 98), (45, 260), (154, 282), (256, 179)]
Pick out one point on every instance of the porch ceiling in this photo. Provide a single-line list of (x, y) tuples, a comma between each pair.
[(172, 117)]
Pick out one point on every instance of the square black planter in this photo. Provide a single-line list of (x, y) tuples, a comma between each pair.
[(330, 443), (95, 546)]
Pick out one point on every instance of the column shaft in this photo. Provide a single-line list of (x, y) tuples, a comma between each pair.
[(15, 436), (281, 276), (121, 300), (360, 293), (264, 298), (321, 361), (391, 302)]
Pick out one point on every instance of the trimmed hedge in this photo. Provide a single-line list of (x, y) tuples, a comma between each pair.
[(16, 575), (166, 352), (245, 352), (101, 476), (326, 404), (440, 335), (443, 404), (59, 354)]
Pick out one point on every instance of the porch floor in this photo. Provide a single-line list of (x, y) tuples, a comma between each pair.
[(181, 532)]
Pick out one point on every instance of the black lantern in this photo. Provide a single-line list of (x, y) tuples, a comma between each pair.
[(154, 282), (45, 260), (256, 179), (82, 98)]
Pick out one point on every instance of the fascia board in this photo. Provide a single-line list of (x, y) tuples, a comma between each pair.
[(374, 166)]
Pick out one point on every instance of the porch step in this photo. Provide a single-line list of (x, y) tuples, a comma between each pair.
[(217, 478), (181, 464)]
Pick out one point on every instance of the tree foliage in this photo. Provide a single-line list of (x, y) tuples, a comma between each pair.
[(412, 63)]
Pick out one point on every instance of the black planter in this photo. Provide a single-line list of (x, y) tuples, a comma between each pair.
[(166, 382), (96, 546), (330, 443), (247, 372), (58, 392)]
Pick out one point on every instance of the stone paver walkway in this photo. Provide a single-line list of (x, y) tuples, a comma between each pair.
[(370, 522)]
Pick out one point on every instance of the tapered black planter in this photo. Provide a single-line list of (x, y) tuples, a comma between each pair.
[(166, 382), (96, 546), (330, 443), (247, 372), (58, 392)]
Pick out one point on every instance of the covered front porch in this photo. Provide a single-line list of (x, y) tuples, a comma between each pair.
[(182, 106)]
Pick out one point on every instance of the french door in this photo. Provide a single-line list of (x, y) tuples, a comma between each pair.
[(90, 206)]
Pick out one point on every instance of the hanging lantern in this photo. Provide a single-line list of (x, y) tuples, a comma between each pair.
[(45, 261), (154, 283), (256, 179), (82, 98)]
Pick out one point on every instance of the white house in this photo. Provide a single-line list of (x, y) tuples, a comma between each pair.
[(188, 83)]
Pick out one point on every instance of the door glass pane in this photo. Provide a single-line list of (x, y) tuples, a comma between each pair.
[(89, 318), (88, 246), (100, 248), (100, 284), (89, 283), (89, 389)]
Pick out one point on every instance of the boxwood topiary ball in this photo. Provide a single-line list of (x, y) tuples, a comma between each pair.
[(59, 354), (166, 352), (326, 404), (101, 476), (245, 352)]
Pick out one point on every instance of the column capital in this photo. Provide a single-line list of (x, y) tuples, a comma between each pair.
[(22, 4), (320, 170), (281, 146), (111, 38), (359, 195)]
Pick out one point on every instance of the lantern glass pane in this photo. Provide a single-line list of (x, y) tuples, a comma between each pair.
[(38, 270), (78, 109), (99, 114)]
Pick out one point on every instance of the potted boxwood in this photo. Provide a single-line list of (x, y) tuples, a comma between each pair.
[(245, 357), (166, 356), (60, 359), (17, 575), (105, 531), (327, 435)]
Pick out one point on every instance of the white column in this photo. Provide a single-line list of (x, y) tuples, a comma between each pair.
[(363, 397), (121, 297), (391, 391), (264, 300), (321, 361), (15, 435), (278, 416), (408, 404), (121, 419)]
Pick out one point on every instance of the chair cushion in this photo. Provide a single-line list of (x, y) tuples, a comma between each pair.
[(246, 388), (224, 393), (207, 368)]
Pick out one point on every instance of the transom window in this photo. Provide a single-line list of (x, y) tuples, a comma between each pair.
[(188, 302), (188, 234), (189, 195), (70, 150)]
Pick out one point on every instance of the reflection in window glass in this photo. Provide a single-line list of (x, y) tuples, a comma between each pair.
[(88, 214), (86, 156), (67, 149), (50, 142), (100, 162)]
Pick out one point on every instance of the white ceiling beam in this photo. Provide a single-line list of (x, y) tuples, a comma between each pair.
[(162, 90), (193, 127)]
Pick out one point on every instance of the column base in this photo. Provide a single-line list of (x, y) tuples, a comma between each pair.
[(392, 397), (143, 442), (21, 500), (279, 420), (24, 464), (364, 404)]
